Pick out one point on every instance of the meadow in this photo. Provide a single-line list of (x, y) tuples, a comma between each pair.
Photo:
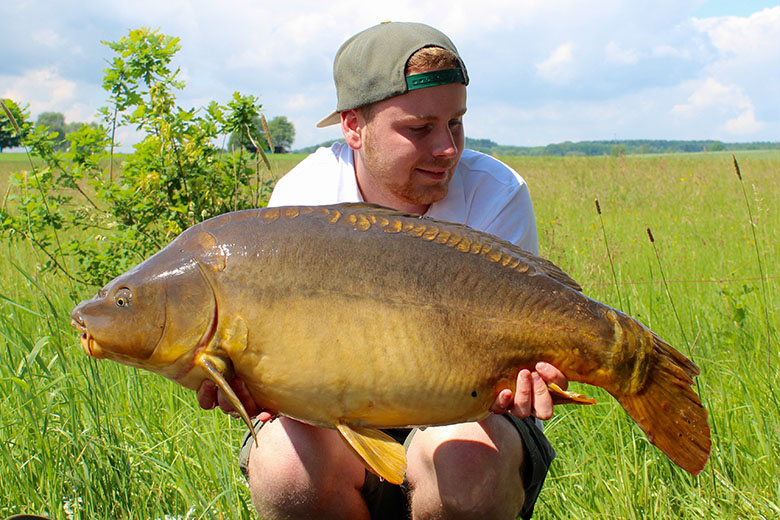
[(84, 439)]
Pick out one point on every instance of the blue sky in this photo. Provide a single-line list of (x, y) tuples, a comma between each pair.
[(542, 71), (731, 7)]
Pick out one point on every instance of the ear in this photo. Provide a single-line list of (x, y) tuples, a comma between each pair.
[(352, 126)]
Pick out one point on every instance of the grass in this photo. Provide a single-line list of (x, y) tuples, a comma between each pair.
[(100, 440)]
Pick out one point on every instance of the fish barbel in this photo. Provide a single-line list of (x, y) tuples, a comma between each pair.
[(357, 317)]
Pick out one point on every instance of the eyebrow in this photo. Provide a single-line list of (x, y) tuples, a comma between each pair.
[(459, 113)]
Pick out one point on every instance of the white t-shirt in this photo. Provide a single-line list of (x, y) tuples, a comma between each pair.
[(484, 193)]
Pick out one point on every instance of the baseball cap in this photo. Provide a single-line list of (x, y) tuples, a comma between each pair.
[(370, 66)]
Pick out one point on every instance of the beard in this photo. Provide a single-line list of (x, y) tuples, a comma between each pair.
[(405, 183)]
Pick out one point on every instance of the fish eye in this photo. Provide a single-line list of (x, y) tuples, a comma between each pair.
[(122, 298)]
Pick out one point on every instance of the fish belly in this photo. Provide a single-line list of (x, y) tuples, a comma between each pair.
[(324, 359)]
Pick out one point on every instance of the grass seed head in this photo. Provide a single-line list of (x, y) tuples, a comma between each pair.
[(736, 167), (650, 234)]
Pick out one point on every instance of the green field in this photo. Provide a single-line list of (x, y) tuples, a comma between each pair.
[(86, 439)]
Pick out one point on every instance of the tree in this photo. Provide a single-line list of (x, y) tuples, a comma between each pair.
[(55, 122), (175, 177), (282, 134), (281, 130), (13, 126)]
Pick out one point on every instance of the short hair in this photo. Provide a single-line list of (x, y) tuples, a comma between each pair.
[(431, 58), (423, 60)]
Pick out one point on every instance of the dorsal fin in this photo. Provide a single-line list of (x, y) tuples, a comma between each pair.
[(363, 215)]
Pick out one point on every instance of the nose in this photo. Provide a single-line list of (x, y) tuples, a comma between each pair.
[(445, 145)]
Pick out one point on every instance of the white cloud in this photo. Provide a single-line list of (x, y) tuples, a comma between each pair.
[(620, 56), (42, 89), (755, 34), (540, 69), (48, 38), (559, 66), (664, 51), (743, 124), (726, 105), (708, 95)]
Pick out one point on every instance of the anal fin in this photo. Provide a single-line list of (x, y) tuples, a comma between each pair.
[(379, 452), (561, 396)]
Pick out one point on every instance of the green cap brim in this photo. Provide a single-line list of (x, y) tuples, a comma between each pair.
[(434, 78)]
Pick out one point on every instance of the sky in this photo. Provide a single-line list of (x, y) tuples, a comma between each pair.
[(542, 71)]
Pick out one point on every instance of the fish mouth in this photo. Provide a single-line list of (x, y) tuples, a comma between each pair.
[(88, 343)]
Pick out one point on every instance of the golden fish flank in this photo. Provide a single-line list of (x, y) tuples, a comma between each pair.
[(345, 316)]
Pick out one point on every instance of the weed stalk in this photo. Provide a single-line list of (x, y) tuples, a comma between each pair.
[(609, 255), (668, 292), (761, 273)]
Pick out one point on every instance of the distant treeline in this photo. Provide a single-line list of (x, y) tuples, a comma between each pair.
[(615, 148)]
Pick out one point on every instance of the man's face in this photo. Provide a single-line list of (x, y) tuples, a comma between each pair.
[(411, 146)]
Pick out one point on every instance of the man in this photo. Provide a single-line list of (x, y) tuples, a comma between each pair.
[(401, 100)]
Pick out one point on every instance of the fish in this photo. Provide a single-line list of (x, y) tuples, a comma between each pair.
[(361, 318)]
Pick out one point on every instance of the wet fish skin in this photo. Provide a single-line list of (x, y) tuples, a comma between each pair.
[(356, 317)]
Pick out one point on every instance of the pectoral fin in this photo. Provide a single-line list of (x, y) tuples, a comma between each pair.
[(379, 452), (561, 396), (209, 364)]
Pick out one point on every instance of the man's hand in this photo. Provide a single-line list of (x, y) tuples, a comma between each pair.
[(531, 396), (209, 397)]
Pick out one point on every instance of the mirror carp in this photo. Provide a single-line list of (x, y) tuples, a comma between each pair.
[(357, 317)]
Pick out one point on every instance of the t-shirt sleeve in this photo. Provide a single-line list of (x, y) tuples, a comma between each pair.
[(498, 201), (513, 219), (286, 191), (324, 177), (302, 185)]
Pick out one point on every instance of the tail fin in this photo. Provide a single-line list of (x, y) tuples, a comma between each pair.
[(669, 411)]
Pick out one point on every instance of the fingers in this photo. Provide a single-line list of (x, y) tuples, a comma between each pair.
[(210, 397), (531, 394), (550, 374), (207, 395), (523, 395), (266, 416), (246, 399), (503, 402), (242, 392), (543, 405)]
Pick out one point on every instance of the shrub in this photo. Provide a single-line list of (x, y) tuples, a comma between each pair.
[(175, 177)]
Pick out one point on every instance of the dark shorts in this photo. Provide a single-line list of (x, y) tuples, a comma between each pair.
[(390, 502)]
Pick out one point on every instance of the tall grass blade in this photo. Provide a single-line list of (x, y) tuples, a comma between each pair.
[(761, 272), (267, 131), (609, 255), (668, 292)]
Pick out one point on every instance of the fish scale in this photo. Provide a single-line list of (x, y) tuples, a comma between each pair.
[(357, 317)]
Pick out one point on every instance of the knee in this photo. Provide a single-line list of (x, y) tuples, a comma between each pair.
[(283, 485), (466, 475), (297, 471)]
